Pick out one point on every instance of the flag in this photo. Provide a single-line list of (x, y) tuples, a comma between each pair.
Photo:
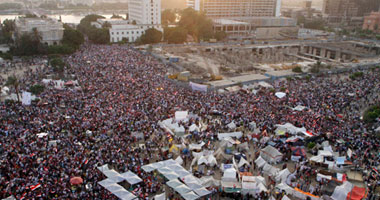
[(86, 161), (34, 187)]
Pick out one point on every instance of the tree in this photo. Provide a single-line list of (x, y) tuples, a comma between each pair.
[(151, 36), (98, 36), (167, 17), (28, 44), (106, 25), (8, 27), (58, 65), (72, 37), (36, 89), (134, 22), (13, 81), (196, 24), (175, 35)]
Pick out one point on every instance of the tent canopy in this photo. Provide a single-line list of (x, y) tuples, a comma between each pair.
[(271, 154)]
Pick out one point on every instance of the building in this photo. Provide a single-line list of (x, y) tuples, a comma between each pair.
[(258, 27), (126, 33), (51, 30), (147, 12), (372, 22), (237, 8)]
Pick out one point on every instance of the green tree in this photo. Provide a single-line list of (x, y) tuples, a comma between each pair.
[(58, 65), (175, 35), (72, 37), (168, 17), (36, 89), (151, 36), (99, 36), (28, 44), (106, 25), (196, 24), (8, 27), (13, 81)]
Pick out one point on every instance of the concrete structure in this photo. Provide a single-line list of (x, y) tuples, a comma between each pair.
[(51, 30), (258, 27), (146, 12), (127, 33), (237, 8), (372, 22)]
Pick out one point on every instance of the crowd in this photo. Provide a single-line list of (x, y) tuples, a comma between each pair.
[(123, 92)]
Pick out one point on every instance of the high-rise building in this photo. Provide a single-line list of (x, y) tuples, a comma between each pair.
[(346, 8), (147, 12), (237, 8)]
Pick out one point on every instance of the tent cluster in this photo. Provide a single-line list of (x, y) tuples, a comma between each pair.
[(111, 183), (179, 180)]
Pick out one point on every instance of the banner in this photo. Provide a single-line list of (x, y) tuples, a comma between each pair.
[(198, 87), (26, 98)]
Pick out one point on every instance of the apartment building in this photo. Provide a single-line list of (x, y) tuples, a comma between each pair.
[(237, 8)]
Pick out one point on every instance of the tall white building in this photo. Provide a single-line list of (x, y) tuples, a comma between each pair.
[(237, 8), (147, 12), (51, 30)]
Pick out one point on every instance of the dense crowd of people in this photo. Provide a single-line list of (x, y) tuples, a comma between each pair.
[(123, 92)]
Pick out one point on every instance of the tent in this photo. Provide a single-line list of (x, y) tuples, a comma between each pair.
[(270, 170), (299, 108), (298, 151), (131, 177), (317, 159), (190, 196), (243, 162), (201, 192), (231, 125), (282, 175), (221, 136), (193, 128), (348, 191), (179, 160), (290, 128), (260, 162), (280, 95), (181, 115), (174, 183), (211, 160), (284, 187), (174, 149), (209, 181), (229, 175), (265, 84), (196, 146), (271, 154), (182, 189), (160, 196)]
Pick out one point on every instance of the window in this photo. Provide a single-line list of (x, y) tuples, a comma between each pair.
[(137, 32), (127, 32), (122, 33), (111, 33), (132, 32), (117, 33)]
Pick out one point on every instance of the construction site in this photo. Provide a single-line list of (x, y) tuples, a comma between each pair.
[(217, 62)]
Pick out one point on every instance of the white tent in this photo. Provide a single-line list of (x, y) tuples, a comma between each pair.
[(181, 115), (271, 154), (290, 128), (284, 187), (190, 196), (270, 170), (318, 159), (325, 153), (341, 191), (231, 125), (260, 162), (229, 174), (174, 183), (243, 162), (299, 108), (202, 160), (193, 128), (196, 146), (202, 192), (160, 196), (282, 175), (280, 95), (148, 168), (285, 198), (209, 181), (182, 189), (221, 136), (179, 160), (131, 177), (377, 130), (211, 160)]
